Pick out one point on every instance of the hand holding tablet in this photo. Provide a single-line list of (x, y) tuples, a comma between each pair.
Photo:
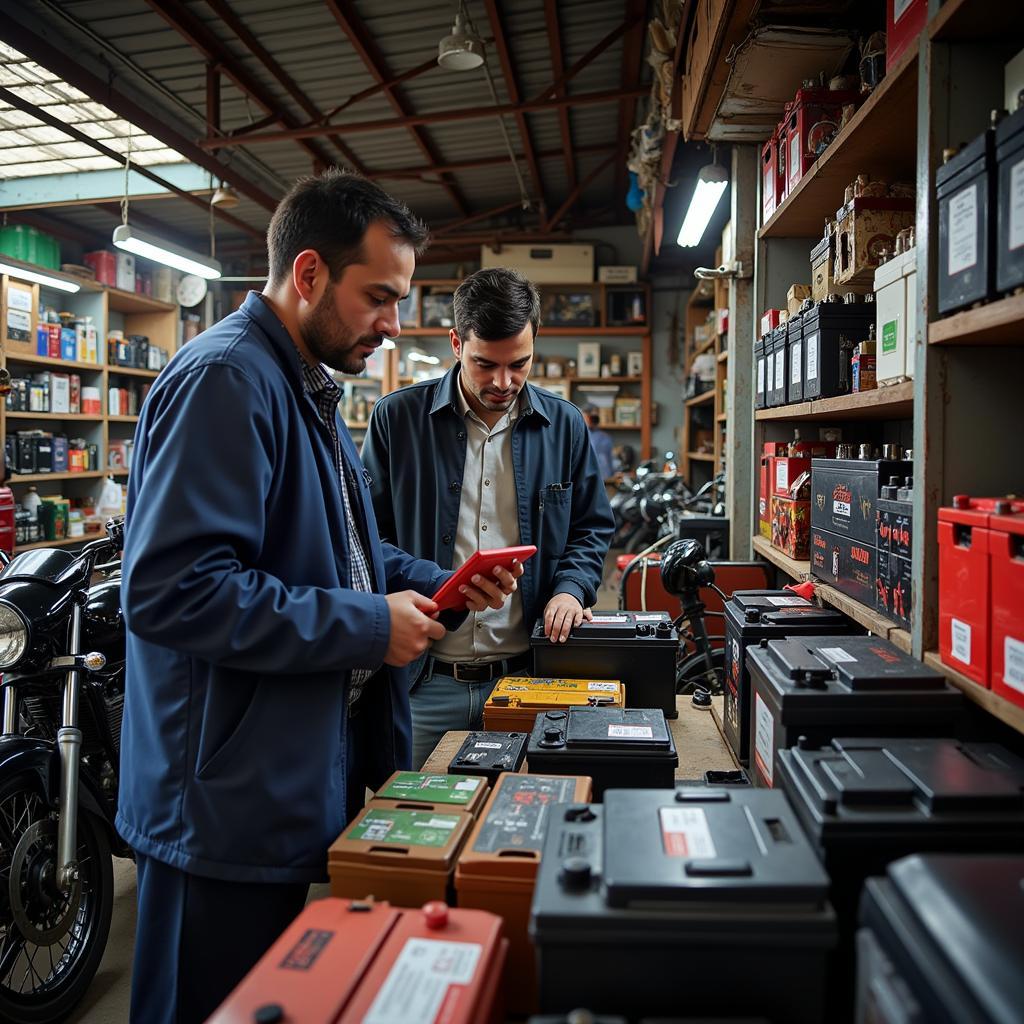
[(482, 563)]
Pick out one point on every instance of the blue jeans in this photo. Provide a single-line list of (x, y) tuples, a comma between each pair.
[(440, 703)]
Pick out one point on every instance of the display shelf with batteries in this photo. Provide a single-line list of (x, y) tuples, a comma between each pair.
[(705, 325)]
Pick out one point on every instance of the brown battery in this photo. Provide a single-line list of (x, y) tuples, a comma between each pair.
[(498, 866), (429, 791), (516, 701), (402, 856)]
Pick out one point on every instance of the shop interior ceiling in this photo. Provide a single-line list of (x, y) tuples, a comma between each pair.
[(257, 93)]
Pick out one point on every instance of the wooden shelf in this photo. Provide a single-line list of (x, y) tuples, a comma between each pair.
[(63, 543), (977, 20), (53, 416), (700, 456), (1003, 709), (130, 371), (703, 398), (722, 417), (861, 613), (27, 478), (123, 419), (722, 356), (131, 302), (996, 323), (881, 139), (895, 402), (56, 364), (118, 472), (545, 331), (585, 380)]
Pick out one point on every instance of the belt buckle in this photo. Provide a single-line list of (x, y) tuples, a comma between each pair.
[(456, 670)]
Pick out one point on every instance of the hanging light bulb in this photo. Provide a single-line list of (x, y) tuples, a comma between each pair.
[(463, 49), (225, 197)]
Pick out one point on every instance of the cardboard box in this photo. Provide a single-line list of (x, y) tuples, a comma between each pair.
[(795, 296), (866, 226), (543, 264), (791, 521)]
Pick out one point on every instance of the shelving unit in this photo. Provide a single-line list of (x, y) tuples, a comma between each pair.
[(700, 426), (1005, 711), (888, 403)]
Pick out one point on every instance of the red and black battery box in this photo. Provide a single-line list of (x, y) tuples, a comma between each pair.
[(904, 20), (769, 177), (812, 119), (1006, 547), (342, 961)]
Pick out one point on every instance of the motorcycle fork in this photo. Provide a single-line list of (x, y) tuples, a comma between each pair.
[(69, 743), (10, 709)]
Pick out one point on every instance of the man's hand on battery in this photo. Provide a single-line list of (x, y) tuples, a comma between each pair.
[(483, 592), (563, 612)]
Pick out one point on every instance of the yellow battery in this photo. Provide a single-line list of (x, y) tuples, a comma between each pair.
[(516, 701)]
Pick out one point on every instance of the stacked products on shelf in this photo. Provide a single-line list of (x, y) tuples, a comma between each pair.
[(135, 351), (40, 451), (66, 336), (48, 392)]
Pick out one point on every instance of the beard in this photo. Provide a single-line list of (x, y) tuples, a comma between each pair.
[(490, 399), (331, 342)]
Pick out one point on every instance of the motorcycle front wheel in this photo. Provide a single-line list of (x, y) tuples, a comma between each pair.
[(51, 942)]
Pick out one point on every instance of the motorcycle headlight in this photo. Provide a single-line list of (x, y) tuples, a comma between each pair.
[(13, 636)]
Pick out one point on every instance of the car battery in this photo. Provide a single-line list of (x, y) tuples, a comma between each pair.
[(848, 565), (341, 962), (718, 882), (904, 20), (966, 193), (895, 316), (764, 500), (1006, 548), (638, 648), (759, 395), (794, 359), (845, 492), (515, 701), (769, 177), (830, 332), (770, 319), (940, 941), (624, 748), (44, 452), (777, 394), (816, 687), (489, 754), (812, 120), (791, 523), (25, 450), (894, 517), (404, 857), (426, 791), (498, 865), (750, 617), (894, 588), (866, 227), (1010, 204)]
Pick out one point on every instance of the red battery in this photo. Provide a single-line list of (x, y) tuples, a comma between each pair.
[(904, 20), (342, 961), (104, 265), (811, 118), (785, 472), (769, 178), (1006, 545), (764, 498)]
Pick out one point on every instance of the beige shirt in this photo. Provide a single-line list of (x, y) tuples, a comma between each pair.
[(488, 518)]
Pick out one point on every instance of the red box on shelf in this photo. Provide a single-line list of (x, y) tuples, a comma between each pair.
[(791, 526), (104, 265), (904, 20), (769, 177), (1006, 547), (813, 115), (764, 499), (785, 471), (770, 319)]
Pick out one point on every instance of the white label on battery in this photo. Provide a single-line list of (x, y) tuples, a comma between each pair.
[(769, 369), (963, 230), (764, 739), (447, 823), (611, 618), (685, 833), (899, 8), (487, 746), (811, 341), (841, 508), (634, 732), (656, 617), (780, 368), (836, 654), (781, 474), (468, 784), (794, 158), (421, 981), (603, 687), (1013, 663), (760, 376), (961, 645), (794, 363), (1016, 205), (787, 602)]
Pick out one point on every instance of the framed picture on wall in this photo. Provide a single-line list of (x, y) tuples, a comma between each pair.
[(635, 364), (556, 387), (588, 359)]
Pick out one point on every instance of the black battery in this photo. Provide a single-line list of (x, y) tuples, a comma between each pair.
[(759, 373), (894, 590), (638, 648), (719, 884), (489, 754), (26, 451), (1010, 204), (845, 492), (830, 332), (849, 566), (817, 687), (966, 192), (794, 359), (777, 373), (44, 452), (941, 941), (628, 748), (752, 616), (894, 517)]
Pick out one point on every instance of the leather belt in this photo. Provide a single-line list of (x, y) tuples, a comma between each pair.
[(485, 673)]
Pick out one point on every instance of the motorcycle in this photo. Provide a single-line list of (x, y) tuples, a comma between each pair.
[(62, 654)]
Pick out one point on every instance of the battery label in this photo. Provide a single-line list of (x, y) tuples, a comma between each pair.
[(634, 732), (963, 230), (841, 508), (455, 789), (794, 156), (787, 602), (427, 976), (811, 343), (760, 376), (685, 833), (610, 618), (781, 474), (961, 641), (769, 369), (487, 746), (764, 739), (1017, 205), (517, 817), (780, 369), (889, 332), (406, 828), (649, 618), (306, 951), (1013, 663), (603, 687), (794, 361), (836, 655)]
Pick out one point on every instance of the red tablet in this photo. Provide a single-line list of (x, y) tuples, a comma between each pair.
[(448, 597)]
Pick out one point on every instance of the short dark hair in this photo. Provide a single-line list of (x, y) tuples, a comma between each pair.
[(330, 213), (496, 304)]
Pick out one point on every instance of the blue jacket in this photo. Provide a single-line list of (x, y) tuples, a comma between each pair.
[(241, 629), (415, 453)]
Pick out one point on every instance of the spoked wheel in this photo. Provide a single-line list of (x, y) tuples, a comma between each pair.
[(51, 942), (692, 674)]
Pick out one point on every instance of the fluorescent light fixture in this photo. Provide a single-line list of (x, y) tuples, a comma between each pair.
[(36, 278), (387, 344), (711, 183), (152, 248), (420, 357)]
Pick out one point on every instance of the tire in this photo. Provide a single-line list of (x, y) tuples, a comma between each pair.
[(691, 673), (75, 956)]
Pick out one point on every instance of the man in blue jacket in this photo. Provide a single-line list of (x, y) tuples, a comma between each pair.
[(498, 462), (268, 625)]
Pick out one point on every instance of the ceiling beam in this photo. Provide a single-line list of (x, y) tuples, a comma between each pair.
[(202, 39), (512, 88), (555, 44), (260, 52), (440, 117), (484, 161), (16, 101), (495, 211), (153, 122), (632, 52), (352, 25), (574, 195)]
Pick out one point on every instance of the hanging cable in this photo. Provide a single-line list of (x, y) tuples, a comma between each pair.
[(127, 167)]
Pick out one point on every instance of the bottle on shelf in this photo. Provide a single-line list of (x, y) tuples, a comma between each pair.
[(31, 502)]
